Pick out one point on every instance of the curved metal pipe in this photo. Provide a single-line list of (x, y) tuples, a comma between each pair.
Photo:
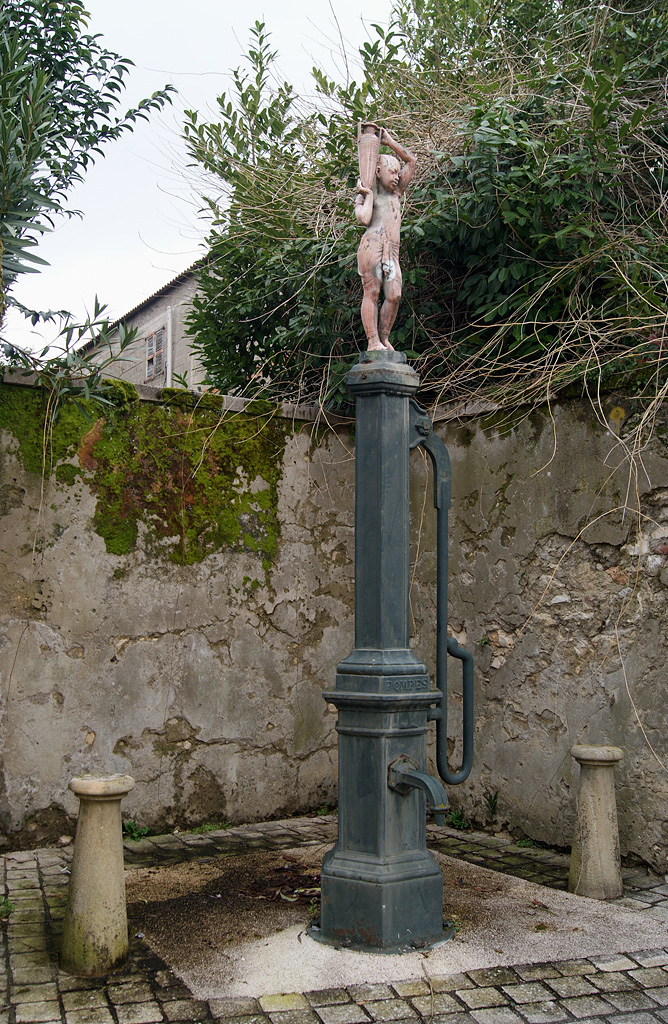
[(448, 645), (424, 435), (454, 778)]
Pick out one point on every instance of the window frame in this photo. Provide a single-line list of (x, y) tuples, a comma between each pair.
[(154, 351)]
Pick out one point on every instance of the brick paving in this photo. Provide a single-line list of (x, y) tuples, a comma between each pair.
[(622, 988)]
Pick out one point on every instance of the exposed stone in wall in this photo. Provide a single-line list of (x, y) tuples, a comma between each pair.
[(204, 680), (560, 591)]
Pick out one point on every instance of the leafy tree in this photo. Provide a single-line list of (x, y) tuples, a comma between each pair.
[(534, 242), (59, 89), (71, 375), (271, 280)]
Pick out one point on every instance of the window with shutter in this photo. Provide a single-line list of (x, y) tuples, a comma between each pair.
[(154, 354), (158, 351)]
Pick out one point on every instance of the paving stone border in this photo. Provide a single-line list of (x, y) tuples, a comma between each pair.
[(624, 988)]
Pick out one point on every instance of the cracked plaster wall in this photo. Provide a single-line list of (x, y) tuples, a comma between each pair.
[(202, 681), (566, 621), (207, 689)]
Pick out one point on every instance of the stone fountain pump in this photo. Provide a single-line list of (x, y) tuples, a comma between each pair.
[(381, 889)]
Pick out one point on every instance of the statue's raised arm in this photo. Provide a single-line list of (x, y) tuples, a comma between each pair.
[(383, 181)]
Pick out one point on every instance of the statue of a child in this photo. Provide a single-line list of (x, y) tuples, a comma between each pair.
[(379, 210)]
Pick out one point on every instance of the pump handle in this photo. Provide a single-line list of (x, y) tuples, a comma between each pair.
[(422, 433)]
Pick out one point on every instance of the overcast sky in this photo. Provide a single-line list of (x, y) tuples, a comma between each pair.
[(141, 226)]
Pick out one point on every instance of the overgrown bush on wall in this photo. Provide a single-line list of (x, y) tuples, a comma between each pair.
[(534, 238)]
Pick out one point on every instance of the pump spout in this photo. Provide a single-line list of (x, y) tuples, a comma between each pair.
[(404, 775)]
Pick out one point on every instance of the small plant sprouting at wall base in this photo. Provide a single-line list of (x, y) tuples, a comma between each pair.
[(529, 844), (314, 908), (456, 819), (491, 800), (133, 831), (6, 907)]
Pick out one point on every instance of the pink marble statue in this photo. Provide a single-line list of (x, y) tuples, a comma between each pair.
[(378, 208)]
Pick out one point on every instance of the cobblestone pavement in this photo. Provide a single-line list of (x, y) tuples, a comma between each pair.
[(625, 988)]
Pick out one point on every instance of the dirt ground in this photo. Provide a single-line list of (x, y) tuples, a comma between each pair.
[(223, 901), (236, 925), (192, 911)]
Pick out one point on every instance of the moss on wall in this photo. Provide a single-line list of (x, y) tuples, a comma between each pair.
[(121, 393), (195, 480), (22, 413)]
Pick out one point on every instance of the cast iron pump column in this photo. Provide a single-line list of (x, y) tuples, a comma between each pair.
[(381, 888)]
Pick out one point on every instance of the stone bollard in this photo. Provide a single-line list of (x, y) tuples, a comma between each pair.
[(95, 930), (595, 869)]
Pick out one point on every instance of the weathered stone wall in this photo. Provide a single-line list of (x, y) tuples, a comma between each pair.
[(560, 591), (201, 680), (175, 601)]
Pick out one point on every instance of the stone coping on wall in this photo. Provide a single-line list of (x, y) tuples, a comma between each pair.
[(229, 403), (442, 413)]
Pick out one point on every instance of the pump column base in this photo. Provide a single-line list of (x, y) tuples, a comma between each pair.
[(389, 916), (381, 889)]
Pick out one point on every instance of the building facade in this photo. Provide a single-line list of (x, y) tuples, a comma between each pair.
[(161, 355)]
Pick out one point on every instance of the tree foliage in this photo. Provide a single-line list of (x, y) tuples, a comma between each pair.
[(59, 90), (276, 251), (66, 371), (534, 241)]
